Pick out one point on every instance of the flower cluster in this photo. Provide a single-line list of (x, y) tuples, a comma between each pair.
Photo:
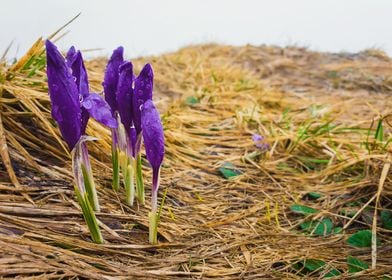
[(126, 108)]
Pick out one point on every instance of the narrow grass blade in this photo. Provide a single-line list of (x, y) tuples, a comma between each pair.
[(139, 180), (116, 170), (89, 217), (90, 188)]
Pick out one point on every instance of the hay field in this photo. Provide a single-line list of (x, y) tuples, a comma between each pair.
[(324, 116)]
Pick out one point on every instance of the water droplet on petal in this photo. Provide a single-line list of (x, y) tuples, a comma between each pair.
[(87, 104), (55, 87)]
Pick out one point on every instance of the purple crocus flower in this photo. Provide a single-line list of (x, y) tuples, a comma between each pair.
[(125, 95), (64, 96), (110, 83), (70, 97), (72, 105), (154, 143), (259, 141)]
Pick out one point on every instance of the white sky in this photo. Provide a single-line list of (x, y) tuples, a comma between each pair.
[(146, 27)]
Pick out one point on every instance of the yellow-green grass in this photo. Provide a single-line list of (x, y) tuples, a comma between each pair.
[(318, 112)]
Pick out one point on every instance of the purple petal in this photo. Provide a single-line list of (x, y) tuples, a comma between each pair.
[(124, 94), (111, 77), (133, 139), (257, 137), (64, 96), (259, 141), (142, 93), (97, 107), (75, 62), (152, 129), (70, 56)]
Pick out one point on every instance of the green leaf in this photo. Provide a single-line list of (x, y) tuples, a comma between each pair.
[(228, 170), (320, 228), (337, 230), (386, 219), (310, 265), (302, 209), (314, 195), (313, 264), (139, 180), (356, 265), (116, 170), (379, 132), (191, 100), (332, 273), (362, 238)]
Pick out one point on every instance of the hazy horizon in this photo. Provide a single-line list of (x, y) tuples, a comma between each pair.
[(153, 27)]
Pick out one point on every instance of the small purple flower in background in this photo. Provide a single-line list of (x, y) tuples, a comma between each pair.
[(72, 105), (259, 141)]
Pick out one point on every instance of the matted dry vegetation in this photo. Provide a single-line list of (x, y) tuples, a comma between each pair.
[(318, 112)]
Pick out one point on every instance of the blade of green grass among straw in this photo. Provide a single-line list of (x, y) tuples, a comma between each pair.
[(89, 216), (116, 170), (91, 191), (139, 180), (379, 135)]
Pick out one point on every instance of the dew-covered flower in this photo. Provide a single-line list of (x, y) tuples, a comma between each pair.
[(125, 95), (72, 105), (154, 143)]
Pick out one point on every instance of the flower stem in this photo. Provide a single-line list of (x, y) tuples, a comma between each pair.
[(116, 168), (153, 227), (129, 185), (155, 186), (89, 216), (153, 216), (115, 160), (88, 178), (139, 179), (127, 174)]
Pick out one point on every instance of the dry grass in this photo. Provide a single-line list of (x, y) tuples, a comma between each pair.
[(318, 113)]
